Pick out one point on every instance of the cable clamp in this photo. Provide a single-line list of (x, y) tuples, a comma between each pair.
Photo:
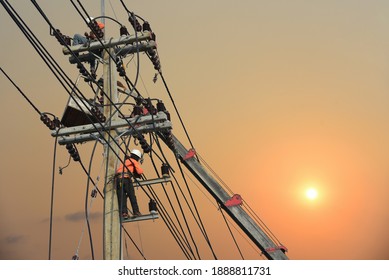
[(273, 249), (235, 200), (191, 153)]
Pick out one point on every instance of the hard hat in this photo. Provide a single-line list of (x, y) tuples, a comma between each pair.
[(89, 19), (137, 153)]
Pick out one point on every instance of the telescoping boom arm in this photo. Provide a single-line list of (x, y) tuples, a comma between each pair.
[(237, 213)]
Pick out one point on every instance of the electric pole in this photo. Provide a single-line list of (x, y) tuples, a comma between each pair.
[(111, 213)]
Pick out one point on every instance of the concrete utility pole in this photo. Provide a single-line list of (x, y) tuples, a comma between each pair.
[(80, 129), (111, 235), (102, 4), (111, 212)]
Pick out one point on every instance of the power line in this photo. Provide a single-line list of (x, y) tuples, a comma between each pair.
[(63, 78), (21, 92)]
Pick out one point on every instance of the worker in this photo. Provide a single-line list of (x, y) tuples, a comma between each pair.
[(124, 183), (79, 39)]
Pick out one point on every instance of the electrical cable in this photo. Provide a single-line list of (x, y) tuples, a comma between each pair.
[(83, 97), (21, 92), (128, 235), (186, 223), (175, 108), (82, 100), (253, 214), (218, 208), (86, 199), (265, 227), (133, 242), (199, 223), (176, 216), (40, 50), (140, 236), (179, 117), (171, 225), (214, 173), (105, 48), (136, 41), (224, 217), (125, 245), (52, 198), (84, 168), (197, 212), (164, 140), (168, 220), (113, 10), (201, 226), (232, 235), (54, 161)]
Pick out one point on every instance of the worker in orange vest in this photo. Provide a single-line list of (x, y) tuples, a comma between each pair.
[(79, 39), (124, 184)]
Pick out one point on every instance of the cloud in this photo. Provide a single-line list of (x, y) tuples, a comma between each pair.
[(80, 216), (12, 239)]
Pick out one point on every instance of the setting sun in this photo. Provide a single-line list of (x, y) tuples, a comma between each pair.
[(311, 193)]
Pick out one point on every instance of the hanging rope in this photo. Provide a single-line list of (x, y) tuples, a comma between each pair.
[(232, 235)]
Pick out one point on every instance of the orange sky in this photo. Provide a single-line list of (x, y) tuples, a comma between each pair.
[(276, 96)]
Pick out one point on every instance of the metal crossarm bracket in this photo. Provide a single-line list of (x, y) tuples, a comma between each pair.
[(81, 138), (89, 132), (151, 182), (90, 128), (141, 218), (129, 49), (235, 200), (95, 45)]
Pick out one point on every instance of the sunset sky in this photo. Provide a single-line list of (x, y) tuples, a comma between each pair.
[(287, 101)]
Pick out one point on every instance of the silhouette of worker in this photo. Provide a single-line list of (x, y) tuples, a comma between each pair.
[(124, 184), (79, 39)]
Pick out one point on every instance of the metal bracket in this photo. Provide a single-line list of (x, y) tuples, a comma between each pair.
[(84, 133), (235, 200), (107, 43), (129, 49), (142, 218), (281, 247), (191, 153), (139, 183)]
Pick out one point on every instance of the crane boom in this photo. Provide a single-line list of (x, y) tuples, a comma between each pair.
[(237, 213)]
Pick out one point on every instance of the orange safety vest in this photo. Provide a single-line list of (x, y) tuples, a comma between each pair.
[(131, 166), (100, 24)]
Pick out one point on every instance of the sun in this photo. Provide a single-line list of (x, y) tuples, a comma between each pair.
[(311, 193)]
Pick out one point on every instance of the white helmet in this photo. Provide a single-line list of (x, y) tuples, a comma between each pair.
[(137, 153), (88, 20)]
